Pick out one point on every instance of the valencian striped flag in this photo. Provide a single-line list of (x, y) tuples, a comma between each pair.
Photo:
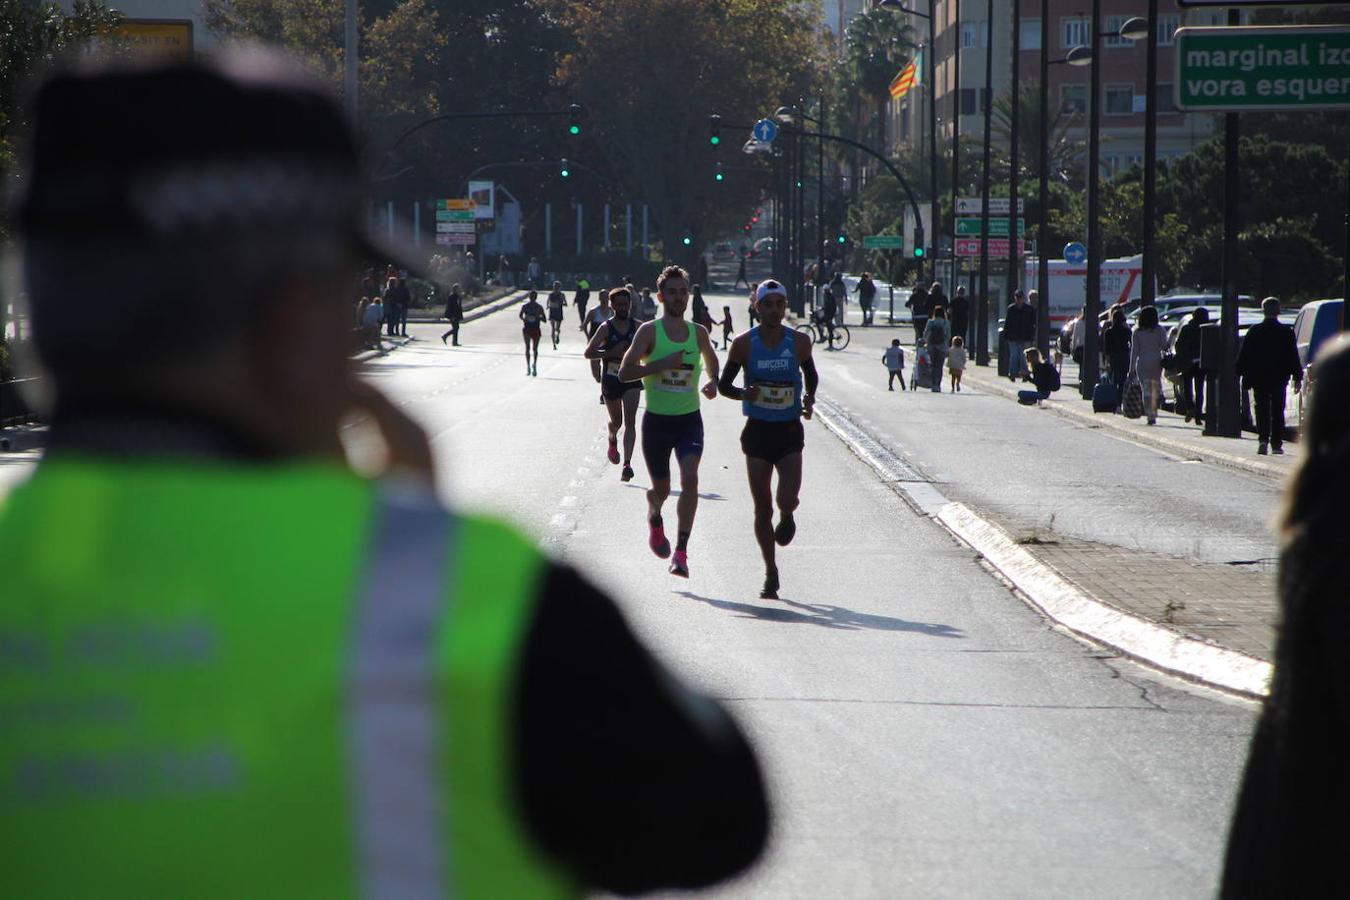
[(906, 79)]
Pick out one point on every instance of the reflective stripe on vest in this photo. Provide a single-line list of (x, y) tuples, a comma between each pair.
[(394, 722)]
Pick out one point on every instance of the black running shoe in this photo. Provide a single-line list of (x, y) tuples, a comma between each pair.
[(785, 532), (770, 589)]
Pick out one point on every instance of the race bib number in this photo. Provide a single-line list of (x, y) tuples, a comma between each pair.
[(679, 380), (612, 367), (775, 396)]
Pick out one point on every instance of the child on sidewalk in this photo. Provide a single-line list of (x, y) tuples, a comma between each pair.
[(894, 358), (1043, 375), (956, 361), (728, 330)]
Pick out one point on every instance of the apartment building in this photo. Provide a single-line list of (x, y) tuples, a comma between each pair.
[(1122, 73)]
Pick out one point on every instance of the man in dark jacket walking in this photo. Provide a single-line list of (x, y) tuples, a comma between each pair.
[(454, 313), (920, 308), (1266, 362)]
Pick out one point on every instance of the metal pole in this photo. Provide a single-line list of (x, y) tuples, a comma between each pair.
[(934, 213), (1091, 363), (605, 243), (351, 49), (1150, 153), (1043, 196), (1229, 401), (628, 229), (982, 310), (417, 223), (1015, 95), (646, 231), (579, 229), (389, 218), (548, 231), (820, 181), (956, 131)]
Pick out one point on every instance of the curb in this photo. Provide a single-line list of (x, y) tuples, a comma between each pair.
[(1180, 448), (478, 313), (1045, 590)]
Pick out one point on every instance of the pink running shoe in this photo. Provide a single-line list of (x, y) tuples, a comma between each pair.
[(657, 540), (614, 451), (679, 565)]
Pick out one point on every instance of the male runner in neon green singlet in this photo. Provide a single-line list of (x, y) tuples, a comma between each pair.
[(674, 352)]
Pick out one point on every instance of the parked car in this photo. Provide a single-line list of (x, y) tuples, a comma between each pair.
[(1314, 325), (763, 245)]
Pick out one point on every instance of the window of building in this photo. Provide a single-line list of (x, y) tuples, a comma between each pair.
[(974, 34), (1075, 33), (1165, 101), (1112, 32), (1167, 29), (1030, 34), (1073, 99), (1119, 100)]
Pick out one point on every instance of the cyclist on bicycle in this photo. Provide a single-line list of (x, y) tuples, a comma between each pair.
[(829, 307), (777, 363)]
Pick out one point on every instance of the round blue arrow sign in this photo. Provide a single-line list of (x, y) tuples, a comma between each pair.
[(1075, 252), (765, 130)]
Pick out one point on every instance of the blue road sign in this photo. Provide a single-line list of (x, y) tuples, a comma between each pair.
[(765, 130), (1075, 252)]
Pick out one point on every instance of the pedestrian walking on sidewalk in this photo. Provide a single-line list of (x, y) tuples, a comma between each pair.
[(956, 361), (840, 296), (1289, 831), (1266, 362), (454, 314), (728, 327), (1019, 328), (894, 358), (1147, 346), (958, 309), (937, 335), (1116, 348), (1188, 354), (740, 272), (920, 308), (867, 294)]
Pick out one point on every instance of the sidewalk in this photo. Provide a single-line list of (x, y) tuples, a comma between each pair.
[(478, 311)]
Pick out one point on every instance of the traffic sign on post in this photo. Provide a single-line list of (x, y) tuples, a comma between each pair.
[(1238, 69), (765, 130), (1075, 252), (883, 242), (998, 227), (998, 247), (998, 206)]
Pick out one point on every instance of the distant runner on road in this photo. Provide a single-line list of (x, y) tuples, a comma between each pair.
[(532, 315), (608, 346), (776, 362), (557, 305), (675, 352)]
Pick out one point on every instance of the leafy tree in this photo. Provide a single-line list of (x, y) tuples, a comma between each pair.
[(651, 73)]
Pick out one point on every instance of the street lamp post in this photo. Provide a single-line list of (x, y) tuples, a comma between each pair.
[(1043, 194), (1090, 367), (982, 310), (956, 133), (1015, 95), (934, 216), (1149, 29)]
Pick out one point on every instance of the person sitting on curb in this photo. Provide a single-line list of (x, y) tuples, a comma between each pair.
[(1043, 375)]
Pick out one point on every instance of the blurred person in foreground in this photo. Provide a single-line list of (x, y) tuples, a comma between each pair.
[(1289, 828), (231, 666)]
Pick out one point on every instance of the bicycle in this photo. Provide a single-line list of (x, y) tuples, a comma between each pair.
[(821, 335)]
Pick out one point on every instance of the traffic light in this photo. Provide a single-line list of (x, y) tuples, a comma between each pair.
[(842, 239), (746, 228), (918, 243), (755, 219), (565, 172), (574, 119), (687, 239), (719, 175), (715, 130)]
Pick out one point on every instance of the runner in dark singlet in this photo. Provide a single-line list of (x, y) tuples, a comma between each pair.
[(608, 345), (532, 315), (778, 365), (557, 305)]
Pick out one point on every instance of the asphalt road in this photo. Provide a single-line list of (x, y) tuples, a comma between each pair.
[(925, 733)]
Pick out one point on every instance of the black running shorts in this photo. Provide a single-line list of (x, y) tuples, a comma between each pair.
[(662, 435), (772, 441), (614, 389)]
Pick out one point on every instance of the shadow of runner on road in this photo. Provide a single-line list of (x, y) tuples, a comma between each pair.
[(825, 616)]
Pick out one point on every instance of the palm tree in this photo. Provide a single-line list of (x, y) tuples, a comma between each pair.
[(877, 44), (1065, 152)]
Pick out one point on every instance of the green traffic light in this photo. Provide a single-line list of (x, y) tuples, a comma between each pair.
[(719, 176), (714, 140), (575, 129), (842, 239), (918, 252), (688, 241)]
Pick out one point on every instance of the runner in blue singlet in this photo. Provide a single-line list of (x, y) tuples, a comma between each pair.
[(777, 365)]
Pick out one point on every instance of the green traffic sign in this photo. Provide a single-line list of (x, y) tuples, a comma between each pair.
[(1248, 69), (998, 227), (454, 215), (883, 242)]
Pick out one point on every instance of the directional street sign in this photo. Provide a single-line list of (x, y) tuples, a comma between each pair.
[(456, 239), (466, 203), (883, 242), (454, 215), (456, 228), (765, 130), (998, 247), (1278, 67), (998, 227), (1074, 252), (998, 206)]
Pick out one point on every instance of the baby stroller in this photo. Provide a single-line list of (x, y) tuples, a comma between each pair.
[(922, 376)]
